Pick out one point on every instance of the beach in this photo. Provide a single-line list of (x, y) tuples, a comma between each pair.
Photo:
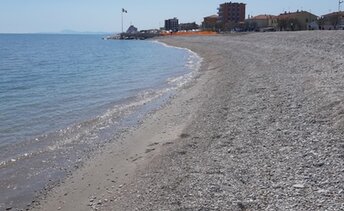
[(260, 128), (58, 109)]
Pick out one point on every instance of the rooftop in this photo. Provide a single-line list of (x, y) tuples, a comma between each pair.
[(232, 3), (293, 14), (212, 16), (334, 14), (264, 17)]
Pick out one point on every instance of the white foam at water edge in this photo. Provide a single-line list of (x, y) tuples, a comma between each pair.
[(108, 117), (19, 157), (193, 64), (193, 54)]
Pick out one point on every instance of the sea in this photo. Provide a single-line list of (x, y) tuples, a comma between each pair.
[(64, 97)]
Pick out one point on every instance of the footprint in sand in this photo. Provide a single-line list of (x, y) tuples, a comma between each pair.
[(149, 150), (184, 135), (153, 144), (137, 158)]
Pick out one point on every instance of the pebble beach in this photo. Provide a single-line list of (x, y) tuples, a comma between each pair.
[(260, 128)]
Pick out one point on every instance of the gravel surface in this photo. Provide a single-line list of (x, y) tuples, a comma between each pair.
[(268, 135)]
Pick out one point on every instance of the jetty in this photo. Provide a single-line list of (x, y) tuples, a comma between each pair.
[(136, 36)]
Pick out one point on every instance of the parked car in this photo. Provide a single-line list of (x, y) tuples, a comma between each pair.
[(340, 27)]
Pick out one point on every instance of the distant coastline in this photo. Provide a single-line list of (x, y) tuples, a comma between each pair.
[(63, 32)]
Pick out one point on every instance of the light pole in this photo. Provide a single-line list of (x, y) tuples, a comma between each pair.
[(123, 11), (339, 3)]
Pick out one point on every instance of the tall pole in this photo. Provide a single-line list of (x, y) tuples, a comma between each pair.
[(339, 3), (122, 21)]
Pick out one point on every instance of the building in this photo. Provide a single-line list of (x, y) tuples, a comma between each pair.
[(188, 26), (231, 15), (262, 23), (332, 21), (132, 30), (150, 31), (295, 21), (210, 23), (172, 25)]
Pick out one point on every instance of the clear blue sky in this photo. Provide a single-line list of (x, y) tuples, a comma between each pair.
[(30, 16)]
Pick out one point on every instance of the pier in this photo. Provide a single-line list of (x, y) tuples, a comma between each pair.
[(132, 36)]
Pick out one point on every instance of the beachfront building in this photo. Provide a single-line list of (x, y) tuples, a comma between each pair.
[(210, 23), (132, 30), (295, 21), (172, 24), (261, 23), (188, 26), (331, 21), (231, 15)]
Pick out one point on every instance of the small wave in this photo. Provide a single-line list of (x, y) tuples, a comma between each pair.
[(17, 158), (192, 57), (193, 64), (86, 131)]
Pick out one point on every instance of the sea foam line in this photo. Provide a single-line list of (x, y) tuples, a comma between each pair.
[(194, 64)]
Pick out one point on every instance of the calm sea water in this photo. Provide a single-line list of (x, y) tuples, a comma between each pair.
[(61, 96)]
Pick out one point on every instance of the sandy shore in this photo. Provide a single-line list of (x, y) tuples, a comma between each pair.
[(261, 128)]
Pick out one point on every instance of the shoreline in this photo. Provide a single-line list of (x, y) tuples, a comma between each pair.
[(124, 116), (134, 147), (260, 129)]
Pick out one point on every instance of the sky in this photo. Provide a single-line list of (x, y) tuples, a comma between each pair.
[(49, 16)]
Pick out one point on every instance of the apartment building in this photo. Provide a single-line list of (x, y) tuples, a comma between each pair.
[(210, 23), (172, 24), (231, 15)]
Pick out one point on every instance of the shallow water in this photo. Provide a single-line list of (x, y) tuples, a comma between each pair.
[(63, 96)]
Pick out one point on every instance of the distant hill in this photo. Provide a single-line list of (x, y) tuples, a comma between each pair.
[(67, 31)]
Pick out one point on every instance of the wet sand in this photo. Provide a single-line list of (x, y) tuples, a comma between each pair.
[(261, 128)]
